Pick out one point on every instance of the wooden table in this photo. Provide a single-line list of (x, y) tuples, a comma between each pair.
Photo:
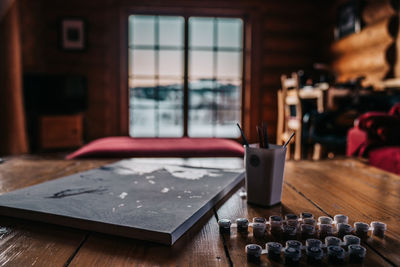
[(324, 188)]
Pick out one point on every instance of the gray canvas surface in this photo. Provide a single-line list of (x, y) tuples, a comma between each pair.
[(159, 195)]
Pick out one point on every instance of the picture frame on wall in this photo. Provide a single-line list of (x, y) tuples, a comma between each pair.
[(73, 34), (348, 19)]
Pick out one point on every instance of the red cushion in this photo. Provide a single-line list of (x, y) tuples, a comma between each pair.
[(123, 147), (356, 138), (386, 158), (395, 110)]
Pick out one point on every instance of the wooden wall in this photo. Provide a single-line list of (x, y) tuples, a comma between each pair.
[(372, 52), (296, 34), (290, 33)]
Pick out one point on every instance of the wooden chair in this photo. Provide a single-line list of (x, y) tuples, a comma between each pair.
[(289, 114)]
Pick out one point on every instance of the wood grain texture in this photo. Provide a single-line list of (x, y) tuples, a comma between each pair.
[(200, 246), (362, 192), (323, 188), (26, 243)]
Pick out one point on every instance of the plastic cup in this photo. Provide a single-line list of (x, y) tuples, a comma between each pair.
[(378, 229), (356, 253), (325, 220), (332, 241), (351, 240), (259, 230), (274, 250), (340, 218), (253, 252), (242, 225), (293, 244), (335, 254), (224, 226), (361, 229)]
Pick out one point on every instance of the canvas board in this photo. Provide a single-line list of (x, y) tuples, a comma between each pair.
[(149, 199)]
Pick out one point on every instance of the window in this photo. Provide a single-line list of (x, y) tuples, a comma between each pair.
[(166, 69)]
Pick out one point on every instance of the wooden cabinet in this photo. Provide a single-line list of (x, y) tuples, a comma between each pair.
[(60, 131)]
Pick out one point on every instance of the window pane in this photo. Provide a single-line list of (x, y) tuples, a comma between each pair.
[(200, 64), (143, 62), (171, 31), (170, 122), (201, 32), (229, 64), (142, 108), (229, 32), (171, 63), (200, 123), (226, 123), (228, 93), (141, 29), (170, 93)]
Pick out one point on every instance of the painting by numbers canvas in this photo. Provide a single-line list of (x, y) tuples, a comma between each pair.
[(150, 199)]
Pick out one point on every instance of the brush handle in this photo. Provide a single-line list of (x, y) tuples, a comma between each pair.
[(243, 136), (290, 138)]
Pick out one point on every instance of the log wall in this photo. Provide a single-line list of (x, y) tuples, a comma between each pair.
[(373, 51)]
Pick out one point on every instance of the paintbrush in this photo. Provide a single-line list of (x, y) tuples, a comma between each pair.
[(243, 136), (266, 144), (260, 136), (290, 138)]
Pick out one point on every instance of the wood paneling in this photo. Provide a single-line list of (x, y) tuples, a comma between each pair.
[(285, 36)]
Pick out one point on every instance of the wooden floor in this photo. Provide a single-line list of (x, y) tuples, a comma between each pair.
[(323, 188)]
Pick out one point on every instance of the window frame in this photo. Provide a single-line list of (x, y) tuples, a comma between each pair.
[(249, 95)]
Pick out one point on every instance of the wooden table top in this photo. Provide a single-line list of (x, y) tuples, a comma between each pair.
[(324, 188)]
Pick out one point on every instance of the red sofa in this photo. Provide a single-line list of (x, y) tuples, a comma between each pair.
[(124, 147), (376, 135)]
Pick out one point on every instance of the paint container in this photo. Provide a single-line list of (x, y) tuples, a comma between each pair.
[(305, 215), (343, 229), (307, 231), (291, 219), (351, 240), (294, 223), (224, 226), (290, 216), (356, 253), (340, 218), (310, 221), (332, 241), (361, 229), (289, 232), (314, 255), (312, 242), (325, 230), (253, 253), (242, 225), (259, 220), (293, 244), (264, 174), (274, 250), (275, 218), (324, 220), (335, 254), (259, 230), (378, 229), (276, 227), (292, 255)]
